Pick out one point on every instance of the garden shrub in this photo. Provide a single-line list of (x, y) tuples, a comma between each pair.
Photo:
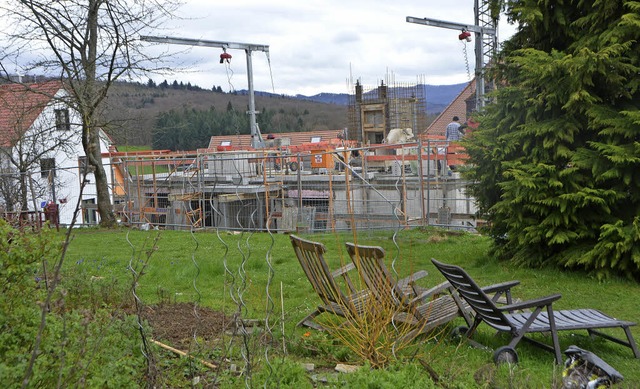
[(92, 346)]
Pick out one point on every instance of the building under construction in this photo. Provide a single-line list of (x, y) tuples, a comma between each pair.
[(374, 112), (319, 181)]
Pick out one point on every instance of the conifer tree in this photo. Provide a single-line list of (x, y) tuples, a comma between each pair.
[(556, 160)]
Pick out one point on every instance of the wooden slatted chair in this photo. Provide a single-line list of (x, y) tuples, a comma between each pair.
[(541, 318), (348, 305), (421, 309)]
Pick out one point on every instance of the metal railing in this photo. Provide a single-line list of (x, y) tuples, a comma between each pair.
[(311, 190)]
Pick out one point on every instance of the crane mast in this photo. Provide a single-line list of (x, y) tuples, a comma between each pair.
[(249, 48)]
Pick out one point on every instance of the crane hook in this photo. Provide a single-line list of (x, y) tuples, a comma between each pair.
[(465, 35), (225, 56)]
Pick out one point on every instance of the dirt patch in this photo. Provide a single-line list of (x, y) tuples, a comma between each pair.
[(179, 324)]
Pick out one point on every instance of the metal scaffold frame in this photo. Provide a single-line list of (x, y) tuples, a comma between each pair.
[(332, 190)]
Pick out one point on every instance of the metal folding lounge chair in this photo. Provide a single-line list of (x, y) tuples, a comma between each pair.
[(421, 309), (541, 318), (324, 282)]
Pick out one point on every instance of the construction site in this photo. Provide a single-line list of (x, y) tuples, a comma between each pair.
[(388, 169), (385, 170)]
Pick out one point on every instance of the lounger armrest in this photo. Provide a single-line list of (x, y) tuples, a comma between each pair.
[(498, 290), (343, 270), (501, 287), (539, 302), (436, 290), (412, 278)]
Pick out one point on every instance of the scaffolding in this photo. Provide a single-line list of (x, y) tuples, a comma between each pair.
[(383, 186), (373, 112)]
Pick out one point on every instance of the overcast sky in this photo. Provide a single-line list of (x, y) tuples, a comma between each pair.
[(324, 46), (321, 46)]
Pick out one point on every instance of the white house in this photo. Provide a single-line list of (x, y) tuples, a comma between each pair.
[(41, 153)]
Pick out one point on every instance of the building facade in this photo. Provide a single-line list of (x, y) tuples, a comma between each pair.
[(43, 162)]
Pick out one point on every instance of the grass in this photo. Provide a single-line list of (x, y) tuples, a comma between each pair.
[(130, 148), (209, 268)]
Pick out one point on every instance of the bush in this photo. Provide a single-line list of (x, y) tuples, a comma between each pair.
[(397, 376), (89, 345)]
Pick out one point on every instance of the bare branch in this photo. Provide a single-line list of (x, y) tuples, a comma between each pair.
[(89, 44)]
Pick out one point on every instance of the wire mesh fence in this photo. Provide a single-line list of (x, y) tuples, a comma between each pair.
[(274, 190), (310, 190)]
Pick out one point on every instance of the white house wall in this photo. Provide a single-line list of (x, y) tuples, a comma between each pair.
[(68, 176)]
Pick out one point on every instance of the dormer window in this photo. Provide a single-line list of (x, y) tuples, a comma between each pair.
[(62, 120)]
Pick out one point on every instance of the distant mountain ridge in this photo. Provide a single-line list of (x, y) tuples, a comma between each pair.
[(438, 96), (132, 109)]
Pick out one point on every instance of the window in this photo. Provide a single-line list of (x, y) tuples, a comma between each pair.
[(83, 164), (373, 118), (47, 165), (62, 120), (89, 211), (316, 139), (225, 143)]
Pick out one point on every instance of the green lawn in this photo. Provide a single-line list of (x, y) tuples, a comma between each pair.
[(133, 148), (212, 268)]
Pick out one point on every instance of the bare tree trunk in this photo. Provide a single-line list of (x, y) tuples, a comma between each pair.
[(93, 43), (91, 144), (91, 136), (24, 201)]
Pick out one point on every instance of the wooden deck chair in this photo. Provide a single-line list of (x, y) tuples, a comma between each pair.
[(324, 282), (422, 309), (541, 318)]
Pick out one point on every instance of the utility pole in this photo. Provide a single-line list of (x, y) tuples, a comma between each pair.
[(249, 48), (485, 42)]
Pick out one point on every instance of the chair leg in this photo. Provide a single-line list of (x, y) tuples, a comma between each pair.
[(308, 321), (473, 327), (632, 342), (629, 343), (464, 309), (554, 335)]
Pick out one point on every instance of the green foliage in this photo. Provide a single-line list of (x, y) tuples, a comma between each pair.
[(21, 259), (556, 161), (283, 374), (20, 268), (397, 376), (90, 342), (82, 341), (321, 346), (190, 128), (92, 348)]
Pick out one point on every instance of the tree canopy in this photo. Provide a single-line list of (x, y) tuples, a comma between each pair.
[(556, 159), (88, 44), (190, 128)]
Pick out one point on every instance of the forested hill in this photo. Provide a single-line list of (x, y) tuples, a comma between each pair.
[(134, 111), (438, 97), (183, 117)]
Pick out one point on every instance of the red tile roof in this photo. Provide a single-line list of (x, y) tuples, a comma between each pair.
[(20, 105), (458, 107), (243, 142)]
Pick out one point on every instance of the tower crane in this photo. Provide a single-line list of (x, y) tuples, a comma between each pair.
[(249, 48), (485, 30)]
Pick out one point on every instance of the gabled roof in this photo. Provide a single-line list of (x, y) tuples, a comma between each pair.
[(243, 142), (458, 107), (20, 106)]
